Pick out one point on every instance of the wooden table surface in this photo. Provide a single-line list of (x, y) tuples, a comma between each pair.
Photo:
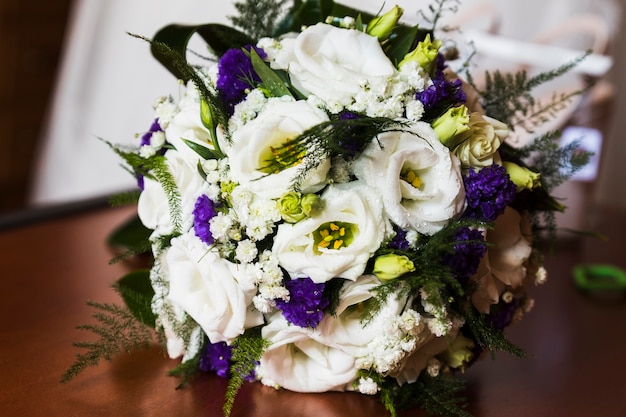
[(576, 343)]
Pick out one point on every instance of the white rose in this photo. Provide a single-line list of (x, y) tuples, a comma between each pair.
[(357, 211), (333, 63), (216, 293), (153, 207), (252, 144), (478, 146), (186, 124), (418, 178)]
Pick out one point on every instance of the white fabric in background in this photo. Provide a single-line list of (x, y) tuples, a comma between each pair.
[(107, 84), (109, 79)]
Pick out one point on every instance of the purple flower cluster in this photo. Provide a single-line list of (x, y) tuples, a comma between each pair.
[(154, 127), (146, 140), (468, 252), (204, 210), (488, 192), (399, 239), (306, 303), (216, 357), (442, 94), (235, 75), (502, 314)]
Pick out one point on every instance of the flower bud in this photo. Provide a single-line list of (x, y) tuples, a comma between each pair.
[(522, 177), (391, 266), (424, 54), (311, 205), (459, 352), (382, 26), (451, 123), (295, 207), (290, 207)]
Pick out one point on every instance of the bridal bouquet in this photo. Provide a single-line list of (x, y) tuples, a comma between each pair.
[(330, 207)]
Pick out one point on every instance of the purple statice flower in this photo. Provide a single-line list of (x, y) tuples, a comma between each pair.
[(467, 253), (306, 302), (216, 357), (399, 239), (154, 127), (441, 94), (235, 75), (502, 314), (203, 212), (488, 192), (146, 140)]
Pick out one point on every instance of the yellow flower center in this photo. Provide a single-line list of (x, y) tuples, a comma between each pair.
[(277, 159), (334, 235), (412, 178)]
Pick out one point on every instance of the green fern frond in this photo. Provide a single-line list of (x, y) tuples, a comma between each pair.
[(247, 351), (345, 137), (508, 96), (186, 371), (437, 396), (257, 18), (124, 199), (118, 331), (487, 337)]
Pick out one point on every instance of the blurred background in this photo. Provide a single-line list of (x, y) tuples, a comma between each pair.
[(71, 74)]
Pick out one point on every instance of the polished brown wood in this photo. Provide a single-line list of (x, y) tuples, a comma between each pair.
[(576, 342)]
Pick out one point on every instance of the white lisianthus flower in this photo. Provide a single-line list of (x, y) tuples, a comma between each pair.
[(332, 63), (300, 360), (216, 293), (418, 178), (153, 207), (187, 125), (337, 242), (254, 155), (322, 359)]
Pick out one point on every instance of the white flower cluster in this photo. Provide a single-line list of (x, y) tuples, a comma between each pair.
[(399, 338)]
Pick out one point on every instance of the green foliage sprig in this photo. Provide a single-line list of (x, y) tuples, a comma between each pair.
[(437, 396), (488, 337), (155, 167), (258, 18), (335, 137), (508, 97), (247, 351), (118, 330)]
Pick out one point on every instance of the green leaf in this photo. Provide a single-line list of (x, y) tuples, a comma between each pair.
[(130, 234), (305, 13), (219, 38), (271, 83), (202, 151), (136, 290), (401, 42)]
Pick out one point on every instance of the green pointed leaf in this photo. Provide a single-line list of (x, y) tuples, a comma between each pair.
[(202, 151), (305, 13), (130, 234), (219, 38), (271, 83), (137, 292), (401, 42)]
